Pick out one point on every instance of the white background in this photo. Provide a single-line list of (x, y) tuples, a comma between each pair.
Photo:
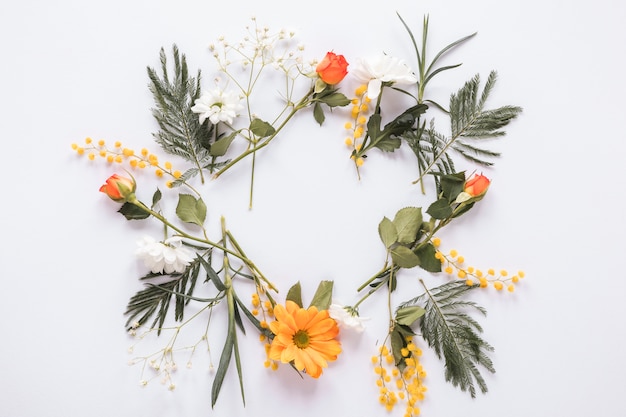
[(72, 69)]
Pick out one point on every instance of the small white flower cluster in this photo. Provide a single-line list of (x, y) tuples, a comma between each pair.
[(169, 256)]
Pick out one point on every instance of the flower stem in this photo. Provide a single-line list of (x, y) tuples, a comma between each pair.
[(186, 235), (304, 102)]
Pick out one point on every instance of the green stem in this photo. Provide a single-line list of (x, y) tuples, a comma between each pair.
[(186, 235), (249, 263), (301, 104), (389, 270)]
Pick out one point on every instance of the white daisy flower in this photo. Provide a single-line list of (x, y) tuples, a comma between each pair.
[(217, 106), (346, 317), (380, 69), (169, 256)]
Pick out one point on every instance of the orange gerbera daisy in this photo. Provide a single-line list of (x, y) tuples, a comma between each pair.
[(305, 337)]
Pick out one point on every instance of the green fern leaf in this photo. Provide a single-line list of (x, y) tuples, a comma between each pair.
[(454, 336), (180, 132)]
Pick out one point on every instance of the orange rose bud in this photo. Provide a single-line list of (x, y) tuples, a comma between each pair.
[(119, 188), (332, 69), (477, 185)]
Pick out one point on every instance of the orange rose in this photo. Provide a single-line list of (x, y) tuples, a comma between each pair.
[(477, 185), (332, 69), (119, 188)]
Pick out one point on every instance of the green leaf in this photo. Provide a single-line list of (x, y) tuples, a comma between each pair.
[(404, 257), (318, 113), (452, 185), (255, 321), (454, 335), (190, 209), (428, 261), (180, 132), (261, 128), (133, 212), (220, 146), (408, 315), (389, 144), (380, 139), (227, 352), (398, 342), (408, 222), (156, 197), (399, 335), (387, 232), (440, 209), (238, 320), (295, 294), (323, 296), (335, 99)]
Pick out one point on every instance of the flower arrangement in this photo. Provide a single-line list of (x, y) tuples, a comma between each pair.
[(197, 126)]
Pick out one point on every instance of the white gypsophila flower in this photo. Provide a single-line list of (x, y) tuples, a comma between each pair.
[(346, 318), (168, 256), (380, 69), (217, 106)]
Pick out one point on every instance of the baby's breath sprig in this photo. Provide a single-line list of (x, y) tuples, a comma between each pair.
[(163, 363), (260, 54)]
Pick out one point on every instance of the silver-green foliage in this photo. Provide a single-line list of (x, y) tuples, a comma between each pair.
[(454, 335), (470, 125), (180, 132)]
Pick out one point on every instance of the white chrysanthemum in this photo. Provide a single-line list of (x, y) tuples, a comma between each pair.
[(346, 318), (169, 256), (381, 69), (217, 106)]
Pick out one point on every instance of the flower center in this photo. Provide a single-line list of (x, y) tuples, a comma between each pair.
[(301, 339)]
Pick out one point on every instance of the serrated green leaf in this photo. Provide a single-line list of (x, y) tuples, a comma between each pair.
[(452, 185), (133, 212), (428, 261), (295, 294), (261, 128), (387, 232), (440, 209), (404, 257), (190, 209), (408, 315), (220, 146), (323, 296), (407, 222), (318, 113)]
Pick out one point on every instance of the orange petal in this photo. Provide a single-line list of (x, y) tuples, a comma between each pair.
[(325, 329), (311, 362), (289, 354), (328, 349)]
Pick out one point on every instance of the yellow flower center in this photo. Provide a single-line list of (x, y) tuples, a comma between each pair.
[(301, 339)]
